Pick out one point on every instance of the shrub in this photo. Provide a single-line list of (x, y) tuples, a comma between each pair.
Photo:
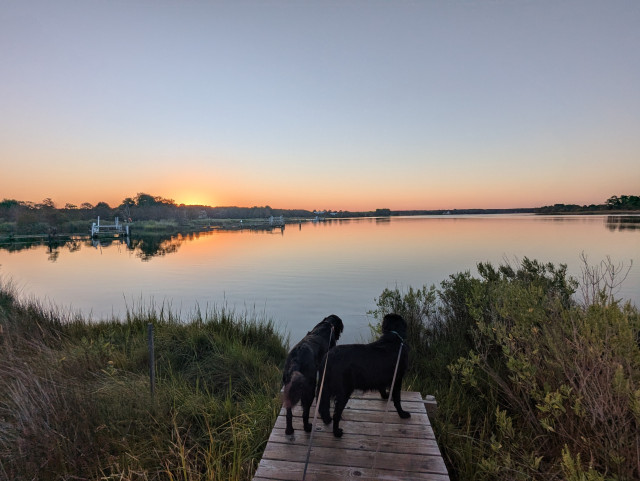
[(538, 386)]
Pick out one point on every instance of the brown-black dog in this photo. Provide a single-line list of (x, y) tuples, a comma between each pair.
[(302, 364), (366, 367)]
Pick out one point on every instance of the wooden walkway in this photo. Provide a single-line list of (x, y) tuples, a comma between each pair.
[(406, 450)]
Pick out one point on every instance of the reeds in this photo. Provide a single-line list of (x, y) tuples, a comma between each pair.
[(75, 400)]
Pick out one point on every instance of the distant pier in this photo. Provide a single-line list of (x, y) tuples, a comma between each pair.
[(117, 228)]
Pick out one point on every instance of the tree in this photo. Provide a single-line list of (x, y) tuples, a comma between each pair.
[(46, 204), (9, 209), (125, 207), (613, 202), (103, 209), (47, 211), (8, 203), (145, 200), (127, 202)]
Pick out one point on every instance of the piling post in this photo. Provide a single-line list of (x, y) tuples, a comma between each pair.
[(152, 361)]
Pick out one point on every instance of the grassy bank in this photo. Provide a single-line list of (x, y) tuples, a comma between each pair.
[(537, 377), (531, 383), (75, 398)]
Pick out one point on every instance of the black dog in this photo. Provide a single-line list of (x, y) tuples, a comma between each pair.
[(367, 367), (302, 364)]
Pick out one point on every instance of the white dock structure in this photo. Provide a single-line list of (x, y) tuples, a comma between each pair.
[(276, 221), (109, 229)]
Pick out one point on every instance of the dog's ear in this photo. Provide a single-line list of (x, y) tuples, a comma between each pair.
[(386, 323), (337, 324)]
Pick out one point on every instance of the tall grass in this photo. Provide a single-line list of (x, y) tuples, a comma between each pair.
[(530, 382), (75, 399)]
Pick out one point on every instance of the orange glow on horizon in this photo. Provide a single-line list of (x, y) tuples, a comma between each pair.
[(194, 197), (193, 201), (303, 196)]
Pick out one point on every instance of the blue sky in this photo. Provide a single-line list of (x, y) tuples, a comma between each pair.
[(341, 105)]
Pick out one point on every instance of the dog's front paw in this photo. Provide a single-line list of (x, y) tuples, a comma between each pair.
[(384, 394), (308, 427), (326, 419), (288, 431), (337, 432), (404, 414)]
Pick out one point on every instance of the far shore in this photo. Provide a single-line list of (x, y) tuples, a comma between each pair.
[(175, 227)]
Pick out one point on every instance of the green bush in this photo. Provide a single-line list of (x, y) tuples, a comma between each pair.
[(531, 384)]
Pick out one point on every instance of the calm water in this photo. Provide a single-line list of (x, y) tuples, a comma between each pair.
[(300, 275)]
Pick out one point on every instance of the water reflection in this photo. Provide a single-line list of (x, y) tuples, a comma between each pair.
[(53, 254), (73, 244), (623, 222), (336, 266), (144, 247), (147, 246)]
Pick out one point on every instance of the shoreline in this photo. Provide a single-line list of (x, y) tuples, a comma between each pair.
[(147, 228)]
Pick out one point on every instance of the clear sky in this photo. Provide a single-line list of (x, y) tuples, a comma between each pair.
[(343, 105)]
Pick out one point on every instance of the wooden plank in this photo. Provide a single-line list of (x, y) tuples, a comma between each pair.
[(362, 442), (337, 456), (380, 405), (406, 395), (370, 429), (377, 405), (292, 471), (372, 401), (370, 417)]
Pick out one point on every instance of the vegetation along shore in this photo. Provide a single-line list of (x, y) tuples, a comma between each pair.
[(22, 221), (537, 376)]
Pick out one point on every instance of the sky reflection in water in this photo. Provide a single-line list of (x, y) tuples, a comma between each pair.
[(308, 271)]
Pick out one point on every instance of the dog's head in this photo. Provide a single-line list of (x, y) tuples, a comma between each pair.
[(394, 323), (335, 322)]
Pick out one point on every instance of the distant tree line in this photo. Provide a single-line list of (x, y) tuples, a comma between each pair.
[(613, 203), (29, 217)]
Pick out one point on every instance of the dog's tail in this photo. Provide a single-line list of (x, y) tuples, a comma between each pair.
[(292, 392)]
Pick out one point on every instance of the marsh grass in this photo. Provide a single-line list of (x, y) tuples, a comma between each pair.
[(75, 399)]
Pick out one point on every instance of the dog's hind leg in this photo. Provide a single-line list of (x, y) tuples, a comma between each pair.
[(396, 401), (306, 407), (341, 403), (384, 394), (324, 408), (289, 430)]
